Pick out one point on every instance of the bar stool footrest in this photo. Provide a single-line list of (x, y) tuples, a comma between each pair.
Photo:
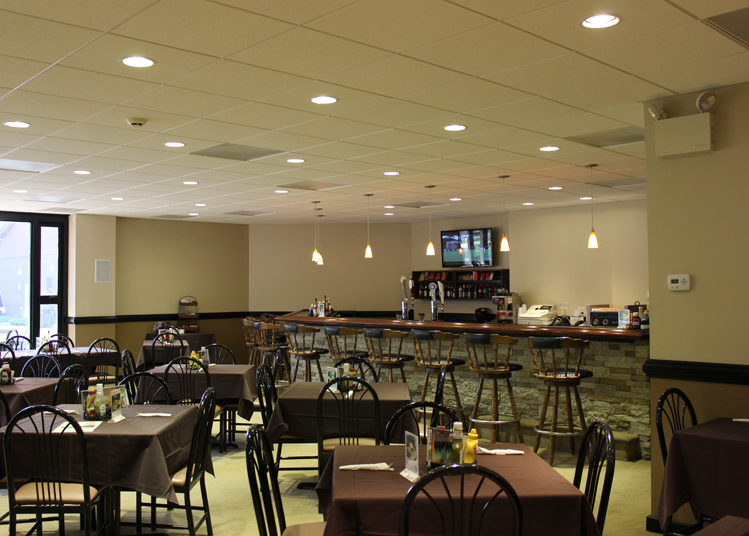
[(564, 433)]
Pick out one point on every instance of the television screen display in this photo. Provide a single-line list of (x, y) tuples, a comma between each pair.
[(467, 248)]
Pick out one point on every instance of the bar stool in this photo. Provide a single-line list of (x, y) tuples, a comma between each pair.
[(488, 359), (561, 372), (430, 357), (269, 351), (343, 342), (251, 339), (301, 345), (381, 352)]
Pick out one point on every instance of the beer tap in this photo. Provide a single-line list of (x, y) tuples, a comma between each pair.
[(436, 309)]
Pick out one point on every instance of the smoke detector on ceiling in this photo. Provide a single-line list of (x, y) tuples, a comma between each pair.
[(136, 121)]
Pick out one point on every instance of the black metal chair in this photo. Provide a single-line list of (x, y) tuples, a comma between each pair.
[(146, 388), (69, 385), (64, 339), (360, 365), (7, 355), (5, 414), (413, 418), (345, 398), (51, 454), (473, 498), (58, 349), (266, 495), (220, 354), (127, 363), (193, 473), (100, 368), (41, 366), (19, 342), (598, 451), (166, 346), (187, 378)]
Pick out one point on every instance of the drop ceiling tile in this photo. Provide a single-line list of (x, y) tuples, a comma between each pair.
[(180, 101), (580, 124), (702, 75), (394, 113), (283, 141), (307, 174), (22, 103), (611, 94), (632, 114), (203, 27), (485, 50), (399, 26), (527, 112), (156, 142), (16, 71), (488, 157), (505, 10), (157, 121), (11, 138), (72, 147), (105, 55), (294, 11), (391, 160), (445, 148), (309, 53), (80, 84), (96, 133), (468, 95), (218, 131), (86, 13), (347, 166), (394, 139), (265, 116), (42, 40), (256, 169), (702, 9), (334, 128), (632, 149), (348, 98), (108, 164), (137, 154), (48, 157), (474, 125), (341, 149), (688, 43), (238, 80), (396, 76), (560, 23), (506, 138)]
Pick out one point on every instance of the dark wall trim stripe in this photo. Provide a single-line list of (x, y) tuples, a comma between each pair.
[(79, 320), (697, 371)]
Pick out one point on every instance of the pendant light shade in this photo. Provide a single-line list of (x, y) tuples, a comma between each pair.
[(504, 245), (430, 245), (592, 239), (368, 251)]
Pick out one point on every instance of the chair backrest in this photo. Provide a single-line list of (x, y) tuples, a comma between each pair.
[(597, 450), (146, 388), (263, 479), (187, 379), (414, 418), (128, 362), (433, 347), (200, 447), (348, 408), (489, 352), (380, 344), (266, 393), (11, 333), (5, 414), (48, 455), (94, 362), (301, 339), (63, 339), (41, 366), (343, 342), (360, 365), (54, 347), (18, 342), (674, 409), (166, 347), (218, 353), (69, 385), (556, 357), (250, 335), (474, 492), (7, 355), (266, 334)]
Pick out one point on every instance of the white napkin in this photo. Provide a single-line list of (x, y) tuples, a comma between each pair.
[(499, 452), (17, 379), (740, 420), (70, 411), (154, 415), (366, 467)]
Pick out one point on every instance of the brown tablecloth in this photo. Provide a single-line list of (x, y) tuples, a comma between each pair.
[(138, 453), (28, 392), (77, 356), (195, 340), (164, 354), (368, 503), (295, 413), (707, 467), (232, 383), (728, 526)]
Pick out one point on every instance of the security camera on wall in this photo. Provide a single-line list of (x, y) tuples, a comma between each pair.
[(656, 112)]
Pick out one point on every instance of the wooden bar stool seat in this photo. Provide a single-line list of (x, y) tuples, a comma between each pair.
[(270, 352), (556, 361), (301, 345), (434, 351), (489, 355), (251, 339), (383, 354)]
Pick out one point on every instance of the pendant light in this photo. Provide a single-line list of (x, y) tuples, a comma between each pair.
[(315, 253), (592, 239), (368, 251), (319, 255), (430, 245), (505, 244)]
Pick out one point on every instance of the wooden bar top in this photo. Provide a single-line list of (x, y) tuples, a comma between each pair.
[(588, 333)]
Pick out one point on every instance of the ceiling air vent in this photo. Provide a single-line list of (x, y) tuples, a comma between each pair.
[(611, 138), (313, 185), (248, 213), (235, 151), (174, 216), (734, 24)]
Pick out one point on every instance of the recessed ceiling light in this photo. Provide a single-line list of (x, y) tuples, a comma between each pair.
[(190, 183), (389, 214), (549, 148), (600, 21), (555, 187), (17, 124), (389, 206), (391, 173), (200, 204), (295, 160), (193, 214), (137, 61), (324, 99), (82, 172), (586, 198), (455, 199), (20, 191), (282, 191), (174, 144), (528, 204), (454, 128), (118, 199)]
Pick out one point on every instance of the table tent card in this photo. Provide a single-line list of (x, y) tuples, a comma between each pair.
[(411, 472)]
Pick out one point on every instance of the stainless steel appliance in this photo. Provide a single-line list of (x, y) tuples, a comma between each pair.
[(508, 306)]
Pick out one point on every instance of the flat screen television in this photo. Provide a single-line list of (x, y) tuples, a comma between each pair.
[(467, 248)]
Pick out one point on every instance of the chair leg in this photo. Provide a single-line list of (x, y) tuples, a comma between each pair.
[(188, 513), (426, 384), (319, 370), (570, 421), (296, 369), (580, 412), (204, 494), (554, 415), (403, 373), (138, 513), (542, 421), (458, 405), (515, 412)]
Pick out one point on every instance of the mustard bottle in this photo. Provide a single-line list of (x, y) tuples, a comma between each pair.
[(472, 446)]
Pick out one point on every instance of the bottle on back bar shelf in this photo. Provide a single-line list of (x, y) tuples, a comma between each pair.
[(636, 320)]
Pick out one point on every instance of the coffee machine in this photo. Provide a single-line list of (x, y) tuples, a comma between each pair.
[(508, 307)]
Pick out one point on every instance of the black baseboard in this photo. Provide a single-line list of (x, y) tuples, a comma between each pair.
[(653, 524), (697, 371)]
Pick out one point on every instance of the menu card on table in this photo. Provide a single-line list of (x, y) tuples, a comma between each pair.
[(411, 472)]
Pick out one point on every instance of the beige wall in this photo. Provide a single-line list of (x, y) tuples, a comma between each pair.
[(284, 278), (699, 224), (91, 238)]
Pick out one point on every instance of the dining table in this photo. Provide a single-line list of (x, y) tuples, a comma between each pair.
[(295, 412), (156, 353), (27, 392), (368, 503), (706, 467), (728, 526), (78, 355)]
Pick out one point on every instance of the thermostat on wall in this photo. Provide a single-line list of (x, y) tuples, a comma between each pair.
[(679, 282)]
